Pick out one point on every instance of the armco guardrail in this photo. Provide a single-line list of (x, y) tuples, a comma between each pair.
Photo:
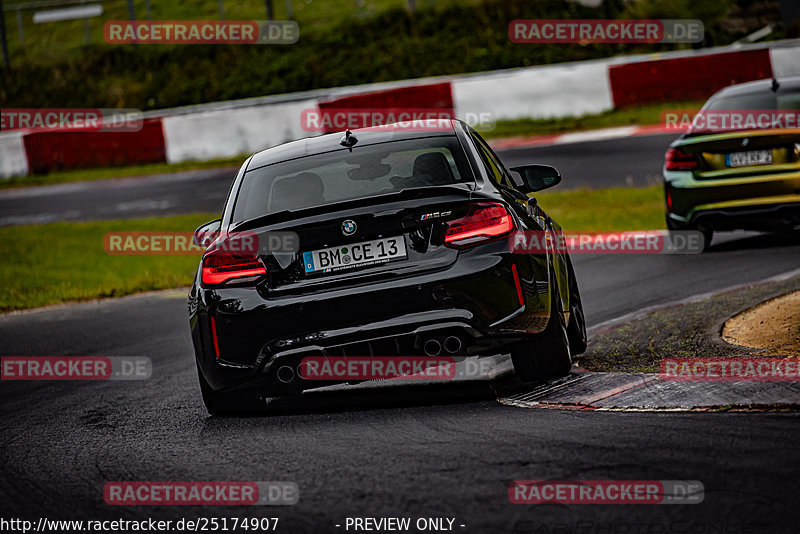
[(225, 133), (13, 158), (49, 151), (685, 78), (226, 129)]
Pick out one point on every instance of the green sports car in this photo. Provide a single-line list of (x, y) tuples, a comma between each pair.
[(738, 166)]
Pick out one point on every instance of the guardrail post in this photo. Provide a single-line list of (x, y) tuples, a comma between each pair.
[(131, 10)]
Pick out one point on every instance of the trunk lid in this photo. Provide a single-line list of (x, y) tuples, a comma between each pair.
[(743, 154), (412, 221)]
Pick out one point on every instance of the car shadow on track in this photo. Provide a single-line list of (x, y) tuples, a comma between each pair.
[(395, 395), (749, 240)]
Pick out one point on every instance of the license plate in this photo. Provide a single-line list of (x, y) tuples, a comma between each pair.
[(754, 157), (374, 252)]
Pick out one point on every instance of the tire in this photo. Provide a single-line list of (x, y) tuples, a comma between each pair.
[(546, 355), (576, 328), (236, 403), (708, 233)]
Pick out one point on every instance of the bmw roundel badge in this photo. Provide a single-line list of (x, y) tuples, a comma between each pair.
[(349, 227)]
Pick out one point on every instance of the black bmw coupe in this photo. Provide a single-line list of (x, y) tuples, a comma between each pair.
[(399, 246)]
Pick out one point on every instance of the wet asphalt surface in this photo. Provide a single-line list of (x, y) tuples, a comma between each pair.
[(634, 161), (448, 450)]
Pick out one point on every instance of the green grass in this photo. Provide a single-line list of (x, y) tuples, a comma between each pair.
[(637, 116), (616, 208), (339, 45), (50, 42), (60, 262), (85, 175)]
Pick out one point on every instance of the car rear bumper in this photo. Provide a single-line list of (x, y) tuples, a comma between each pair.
[(759, 202), (257, 336)]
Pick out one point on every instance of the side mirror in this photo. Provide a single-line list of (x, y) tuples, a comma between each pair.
[(206, 234), (537, 177)]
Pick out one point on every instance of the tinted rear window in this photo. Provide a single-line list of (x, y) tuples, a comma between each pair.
[(761, 100), (344, 175)]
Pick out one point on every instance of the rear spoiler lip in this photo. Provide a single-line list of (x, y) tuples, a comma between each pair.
[(689, 138), (342, 206)]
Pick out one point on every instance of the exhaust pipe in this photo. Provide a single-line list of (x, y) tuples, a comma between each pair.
[(285, 374), (452, 344), (432, 347)]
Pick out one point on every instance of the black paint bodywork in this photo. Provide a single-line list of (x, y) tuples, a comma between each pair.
[(386, 310)]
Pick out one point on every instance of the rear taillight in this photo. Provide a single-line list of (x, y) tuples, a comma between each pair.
[(482, 223), (678, 160), (221, 267)]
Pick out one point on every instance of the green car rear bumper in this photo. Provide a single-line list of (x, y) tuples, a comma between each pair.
[(762, 202), (718, 197)]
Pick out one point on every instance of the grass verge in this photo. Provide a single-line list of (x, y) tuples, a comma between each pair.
[(623, 208), (60, 262), (87, 175)]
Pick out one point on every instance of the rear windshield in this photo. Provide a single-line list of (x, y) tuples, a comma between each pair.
[(762, 100), (344, 175)]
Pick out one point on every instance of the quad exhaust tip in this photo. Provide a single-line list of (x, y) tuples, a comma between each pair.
[(285, 374), (452, 344), (432, 347)]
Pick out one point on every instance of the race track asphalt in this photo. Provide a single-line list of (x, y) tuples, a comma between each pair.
[(634, 161), (447, 450)]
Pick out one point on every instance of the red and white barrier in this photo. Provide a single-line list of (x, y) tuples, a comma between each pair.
[(550, 91), (416, 99), (49, 151), (229, 129), (785, 61), (232, 132), (685, 78), (13, 159)]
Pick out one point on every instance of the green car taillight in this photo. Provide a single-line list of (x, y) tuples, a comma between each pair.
[(678, 160)]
